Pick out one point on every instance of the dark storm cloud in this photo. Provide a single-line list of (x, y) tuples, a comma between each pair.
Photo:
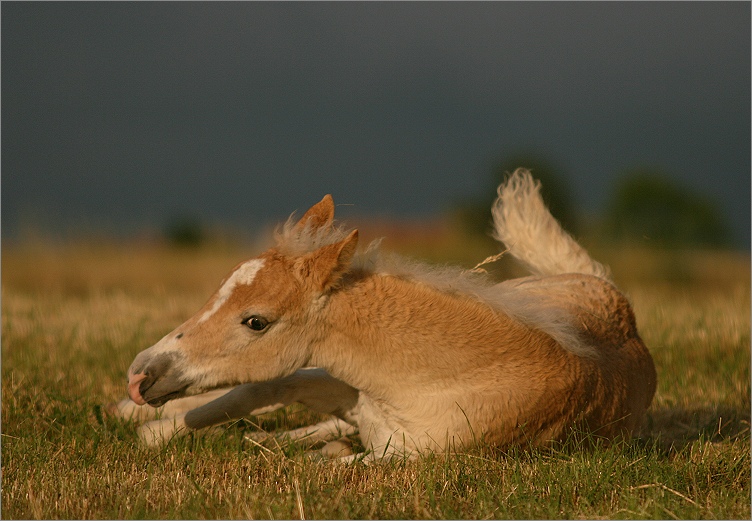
[(128, 113)]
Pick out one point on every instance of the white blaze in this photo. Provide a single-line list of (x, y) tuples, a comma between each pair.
[(243, 275)]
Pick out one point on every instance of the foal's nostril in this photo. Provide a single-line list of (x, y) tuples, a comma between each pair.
[(146, 383), (134, 387)]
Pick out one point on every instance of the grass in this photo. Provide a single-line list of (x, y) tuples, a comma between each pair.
[(74, 316)]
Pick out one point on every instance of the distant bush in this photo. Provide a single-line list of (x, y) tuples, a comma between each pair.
[(647, 205), (184, 231)]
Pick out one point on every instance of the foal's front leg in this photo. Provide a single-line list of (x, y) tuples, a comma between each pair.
[(130, 410), (312, 387)]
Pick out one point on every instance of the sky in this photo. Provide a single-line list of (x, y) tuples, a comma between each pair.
[(120, 116)]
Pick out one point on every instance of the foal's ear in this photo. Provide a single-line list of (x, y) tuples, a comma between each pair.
[(325, 266), (319, 215)]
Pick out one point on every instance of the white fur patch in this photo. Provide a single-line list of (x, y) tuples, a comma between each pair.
[(243, 275)]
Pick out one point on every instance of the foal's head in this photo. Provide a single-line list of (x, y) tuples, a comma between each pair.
[(260, 322)]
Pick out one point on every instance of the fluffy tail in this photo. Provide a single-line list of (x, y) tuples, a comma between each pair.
[(532, 235)]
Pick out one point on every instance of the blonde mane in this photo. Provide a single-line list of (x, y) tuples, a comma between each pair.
[(513, 300)]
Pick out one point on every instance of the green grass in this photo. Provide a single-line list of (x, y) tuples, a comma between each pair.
[(72, 320)]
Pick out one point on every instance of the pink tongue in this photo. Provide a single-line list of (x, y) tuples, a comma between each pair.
[(133, 382)]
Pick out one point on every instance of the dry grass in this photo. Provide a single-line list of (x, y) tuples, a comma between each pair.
[(74, 317)]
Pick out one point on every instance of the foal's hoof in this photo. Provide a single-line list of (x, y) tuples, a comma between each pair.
[(337, 449), (257, 437), (111, 409), (158, 432), (124, 409)]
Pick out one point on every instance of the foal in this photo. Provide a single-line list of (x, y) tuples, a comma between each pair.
[(414, 358)]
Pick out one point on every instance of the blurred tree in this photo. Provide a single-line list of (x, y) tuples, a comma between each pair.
[(474, 215), (184, 231), (648, 205)]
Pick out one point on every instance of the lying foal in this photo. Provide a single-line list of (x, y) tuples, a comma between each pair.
[(411, 357)]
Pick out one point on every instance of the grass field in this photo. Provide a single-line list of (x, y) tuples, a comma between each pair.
[(74, 316)]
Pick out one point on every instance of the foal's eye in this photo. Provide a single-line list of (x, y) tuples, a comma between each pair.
[(256, 323)]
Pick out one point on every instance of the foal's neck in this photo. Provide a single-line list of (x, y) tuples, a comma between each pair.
[(384, 332)]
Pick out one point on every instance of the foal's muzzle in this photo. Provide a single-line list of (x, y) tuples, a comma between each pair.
[(157, 381)]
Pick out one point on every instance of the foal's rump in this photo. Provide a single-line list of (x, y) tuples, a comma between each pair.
[(598, 311), (612, 383)]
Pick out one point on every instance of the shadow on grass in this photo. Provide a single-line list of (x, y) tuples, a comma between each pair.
[(675, 428)]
